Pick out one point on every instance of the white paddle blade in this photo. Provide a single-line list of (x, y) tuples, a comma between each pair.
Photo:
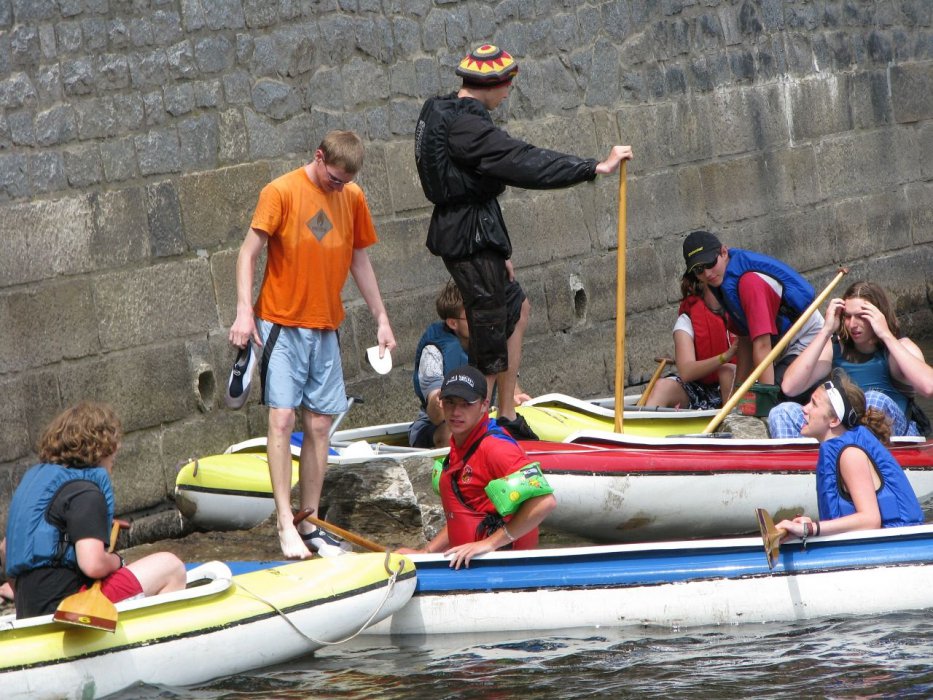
[(383, 364)]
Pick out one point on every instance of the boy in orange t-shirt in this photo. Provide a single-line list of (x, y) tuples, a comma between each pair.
[(316, 225)]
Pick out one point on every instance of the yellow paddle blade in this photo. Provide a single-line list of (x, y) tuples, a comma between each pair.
[(770, 536), (90, 608)]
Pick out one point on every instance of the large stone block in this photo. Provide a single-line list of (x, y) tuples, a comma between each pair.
[(858, 163), (665, 201), (54, 322), (818, 106), (920, 210), (735, 189), (217, 206), (401, 260), (139, 481), (869, 100), (791, 176), (578, 363), (45, 238), (747, 119), (223, 276), (547, 226), (404, 185), (912, 91), (378, 170), (128, 316), (146, 386), (14, 431)]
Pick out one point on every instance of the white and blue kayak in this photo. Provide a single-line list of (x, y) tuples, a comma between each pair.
[(671, 584)]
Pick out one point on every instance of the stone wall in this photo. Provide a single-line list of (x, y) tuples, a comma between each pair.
[(135, 136)]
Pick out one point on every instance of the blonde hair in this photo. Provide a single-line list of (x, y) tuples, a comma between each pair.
[(81, 436), (344, 150)]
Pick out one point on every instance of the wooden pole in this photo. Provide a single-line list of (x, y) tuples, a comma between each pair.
[(620, 304), (662, 363)]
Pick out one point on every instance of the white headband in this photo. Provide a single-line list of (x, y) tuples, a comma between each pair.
[(835, 398), (843, 409)]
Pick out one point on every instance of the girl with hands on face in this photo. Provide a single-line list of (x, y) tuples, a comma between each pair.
[(861, 335)]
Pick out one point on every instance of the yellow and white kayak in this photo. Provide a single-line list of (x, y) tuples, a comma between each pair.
[(220, 625)]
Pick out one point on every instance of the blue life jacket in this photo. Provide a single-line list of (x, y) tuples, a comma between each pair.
[(897, 502), (797, 294), (439, 335), (31, 540), (874, 373)]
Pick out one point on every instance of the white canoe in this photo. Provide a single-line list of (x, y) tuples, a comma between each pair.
[(671, 584), (222, 626), (612, 488)]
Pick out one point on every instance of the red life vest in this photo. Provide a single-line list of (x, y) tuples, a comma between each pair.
[(488, 453), (709, 332)]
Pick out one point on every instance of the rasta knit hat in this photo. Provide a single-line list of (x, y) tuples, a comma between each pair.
[(487, 66)]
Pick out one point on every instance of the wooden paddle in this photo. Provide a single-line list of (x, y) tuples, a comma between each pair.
[(339, 531), (770, 536), (662, 363), (620, 303), (778, 348), (91, 608)]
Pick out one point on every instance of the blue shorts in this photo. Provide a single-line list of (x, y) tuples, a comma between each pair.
[(301, 367)]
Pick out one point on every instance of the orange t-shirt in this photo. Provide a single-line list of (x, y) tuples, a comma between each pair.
[(312, 236)]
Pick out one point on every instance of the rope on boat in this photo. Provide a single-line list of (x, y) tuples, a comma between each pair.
[(393, 577)]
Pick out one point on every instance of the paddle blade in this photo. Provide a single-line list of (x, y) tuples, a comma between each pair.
[(90, 608), (770, 536)]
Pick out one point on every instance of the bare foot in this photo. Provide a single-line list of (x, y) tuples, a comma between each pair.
[(293, 547)]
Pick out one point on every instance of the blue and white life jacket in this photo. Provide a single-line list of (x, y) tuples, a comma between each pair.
[(796, 294)]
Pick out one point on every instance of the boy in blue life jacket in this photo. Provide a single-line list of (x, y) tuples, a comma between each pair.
[(443, 346), (762, 296)]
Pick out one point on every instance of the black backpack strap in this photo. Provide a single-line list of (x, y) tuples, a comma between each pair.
[(266, 355)]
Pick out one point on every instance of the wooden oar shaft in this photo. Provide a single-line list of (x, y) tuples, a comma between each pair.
[(778, 348), (662, 363), (339, 531), (620, 303)]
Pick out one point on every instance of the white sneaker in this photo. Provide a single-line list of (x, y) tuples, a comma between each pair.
[(324, 543), (240, 378)]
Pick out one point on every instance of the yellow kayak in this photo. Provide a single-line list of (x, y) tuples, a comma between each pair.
[(219, 626)]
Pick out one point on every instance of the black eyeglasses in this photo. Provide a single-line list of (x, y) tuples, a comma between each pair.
[(702, 267), (335, 181)]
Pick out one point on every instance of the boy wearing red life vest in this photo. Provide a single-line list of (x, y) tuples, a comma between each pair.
[(486, 475)]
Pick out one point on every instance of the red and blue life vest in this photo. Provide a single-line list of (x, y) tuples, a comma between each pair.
[(796, 295)]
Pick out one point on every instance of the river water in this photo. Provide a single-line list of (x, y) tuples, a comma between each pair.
[(889, 656)]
